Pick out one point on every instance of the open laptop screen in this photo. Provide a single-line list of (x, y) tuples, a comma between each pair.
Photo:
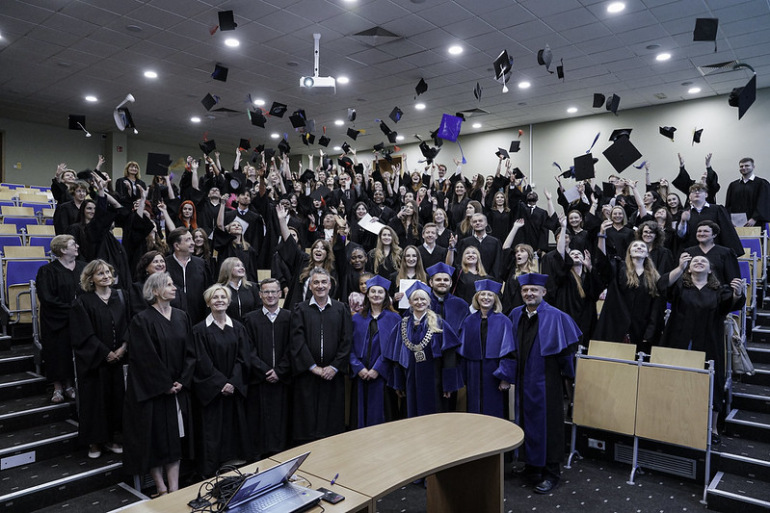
[(256, 485)]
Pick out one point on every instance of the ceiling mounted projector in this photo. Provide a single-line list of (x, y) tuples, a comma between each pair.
[(317, 84)]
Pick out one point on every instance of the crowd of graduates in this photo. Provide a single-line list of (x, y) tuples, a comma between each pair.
[(413, 283)]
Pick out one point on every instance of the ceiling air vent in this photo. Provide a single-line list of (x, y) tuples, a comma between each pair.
[(715, 69)]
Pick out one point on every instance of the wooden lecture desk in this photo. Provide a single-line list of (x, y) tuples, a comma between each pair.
[(461, 454)]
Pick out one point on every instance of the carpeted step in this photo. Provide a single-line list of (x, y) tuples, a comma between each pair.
[(24, 412), (748, 424), (21, 384), (38, 443), (751, 397), (761, 375), (12, 363), (101, 501), (731, 493)]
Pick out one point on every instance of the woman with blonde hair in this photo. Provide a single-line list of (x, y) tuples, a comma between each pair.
[(385, 258), (443, 233), (127, 186), (244, 295), (99, 337), (524, 262), (411, 269), (471, 271), (423, 354)]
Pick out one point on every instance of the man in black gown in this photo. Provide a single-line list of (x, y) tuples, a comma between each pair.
[(321, 337), (190, 274), (749, 195)]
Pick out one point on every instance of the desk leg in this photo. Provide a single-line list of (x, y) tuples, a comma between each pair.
[(474, 486)]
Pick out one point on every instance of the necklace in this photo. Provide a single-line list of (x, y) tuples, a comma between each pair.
[(417, 349)]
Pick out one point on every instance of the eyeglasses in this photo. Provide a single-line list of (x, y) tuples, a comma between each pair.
[(270, 292)]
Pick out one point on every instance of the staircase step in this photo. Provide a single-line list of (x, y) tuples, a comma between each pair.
[(26, 412), (101, 501), (17, 363), (751, 397), (21, 384), (762, 318), (760, 334), (761, 375), (49, 482), (759, 352), (46, 441), (730, 493), (749, 424)]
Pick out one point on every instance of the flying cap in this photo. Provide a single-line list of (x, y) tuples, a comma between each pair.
[(220, 73), (244, 144), (345, 147), (209, 101), (502, 153), (421, 87), (584, 167), (297, 118), (621, 154), (440, 268), (396, 114), (284, 147), (257, 118), (324, 141), (278, 109), (705, 29), (449, 129), (352, 133), (544, 58), (226, 21), (743, 97), (157, 164), (477, 91), (429, 152), (502, 64), (533, 279), (378, 281), (76, 122), (208, 146), (351, 115), (613, 102), (667, 131), (488, 285), (514, 146), (598, 100), (620, 132), (696, 135)]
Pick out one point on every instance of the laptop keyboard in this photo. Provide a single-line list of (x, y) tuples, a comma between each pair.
[(284, 493)]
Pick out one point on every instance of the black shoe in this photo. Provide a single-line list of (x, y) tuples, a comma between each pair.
[(527, 473), (715, 439), (546, 486)]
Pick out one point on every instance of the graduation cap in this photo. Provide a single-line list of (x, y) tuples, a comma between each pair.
[(667, 131), (123, 118), (297, 118), (460, 115), (706, 30), (544, 58), (393, 137), (743, 97), (584, 167), (396, 114), (436, 139), (501, 152), (244, 144), (324, 141), (259, 149), (613, 102), (488, 285), (236, 182), (517, 173), (560, 70), (307, 176), (345, 147), (449, 129), (428, 152), (353, 134), (209, 101), (308, 139), (76, 122), (608, 190), (345, 162), (598, 100), (157, 164), (379, 146), (269, 153), (440, 268), (477, 91), (514, 146), (421, 87), (220, 73), (86, 175), (207, 146), (226, 21), (502, 66), (378, 281), (278, 109), (257, 118), (696, 135), (620, 132), (351, 115), (284, 147), (417, 286), (621, 154), (321, 193), (385, 128)]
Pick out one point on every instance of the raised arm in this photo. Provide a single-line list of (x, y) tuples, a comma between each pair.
[(517, 224)]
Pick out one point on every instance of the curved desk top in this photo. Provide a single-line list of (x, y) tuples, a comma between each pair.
[(377, 460)]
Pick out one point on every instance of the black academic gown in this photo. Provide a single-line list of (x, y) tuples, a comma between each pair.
[(223, 356), (727, 234), (190, 285), (491, 254), (269, 404), (161, 352), (751, 198), (429, 259), (724, 263), (321, 338), (224, 244), (244, 300), (57, 288), (97, 328)]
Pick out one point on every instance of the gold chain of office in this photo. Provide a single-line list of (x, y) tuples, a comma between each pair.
[(417, 349)]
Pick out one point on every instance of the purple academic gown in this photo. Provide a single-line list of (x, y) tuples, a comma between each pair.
[(424, 382), (484, 367), (370, 395), (453, 310), (536, 401)]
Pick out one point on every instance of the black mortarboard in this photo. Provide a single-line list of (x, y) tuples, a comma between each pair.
[(514, 146), (257, 118), (613, 102), (621, 154), (620, 132), (502, 153), (307, 175), (743, 97), (345, 147), (86, 175), (320, 193), (477, 91), (124, 115), (598, 100), (351, 115), (696, 135), (76, 122), (428, 152), (517, 173), (584, 166), (570, 173), (220, 73), (157, 164), (392, 137), (226, 21), (244, 144), (436, 139), (608, 190), (345, 162), (308, 139), (705, 29), (421, 87), (259, 149), (502, 64), (297, 118), (278, 109), (236, 182), (209, 101), (460, 115), (283, 145), (352, 133), (379, 146), (560, 70), (385, 128), (667, 131), (269, 153), (208, 146), (396, 114), (324, 141)]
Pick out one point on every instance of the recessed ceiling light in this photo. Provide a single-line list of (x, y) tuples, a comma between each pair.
[(476, 125), (694, 90), (662, 57), (420, 106), (343, 80), (615, 7), (195, 119), (259, 102), (400, 137), (91, 98), (455, 50), (337, 148), (232, 42), (275, 135), (572, 110), (339, 122), (150, 74), (524, 85)]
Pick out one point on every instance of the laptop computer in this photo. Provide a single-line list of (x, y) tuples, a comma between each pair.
[(271, 492)]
